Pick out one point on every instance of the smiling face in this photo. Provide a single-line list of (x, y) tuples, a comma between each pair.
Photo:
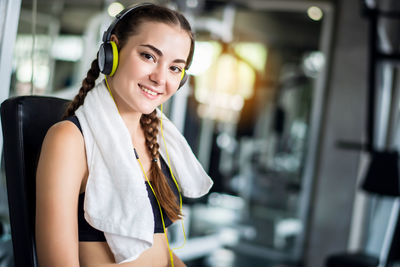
[(150, 67)]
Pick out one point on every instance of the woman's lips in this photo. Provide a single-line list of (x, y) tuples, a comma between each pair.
[(148, 92)]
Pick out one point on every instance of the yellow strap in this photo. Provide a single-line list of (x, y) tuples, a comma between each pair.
[(173, 177), (109, 90)]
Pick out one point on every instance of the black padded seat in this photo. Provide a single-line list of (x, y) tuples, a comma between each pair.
[(25, 121)]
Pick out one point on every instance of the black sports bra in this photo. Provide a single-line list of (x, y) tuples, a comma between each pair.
[(88, 233)]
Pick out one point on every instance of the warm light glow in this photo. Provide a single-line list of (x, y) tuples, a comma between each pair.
[(237, 102), (205, 53), (253, 53), (225, 79), (315, 13), (226, 66), (234, 76), (245, 85), (217, 113), (114, 8)]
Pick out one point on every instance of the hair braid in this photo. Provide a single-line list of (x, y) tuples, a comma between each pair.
[(87, 85), (166, 197)]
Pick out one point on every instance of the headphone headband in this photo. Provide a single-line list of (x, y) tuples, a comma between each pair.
[(119, 17), (108, 52)]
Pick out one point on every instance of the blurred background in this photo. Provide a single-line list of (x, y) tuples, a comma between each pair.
[(292, 107)]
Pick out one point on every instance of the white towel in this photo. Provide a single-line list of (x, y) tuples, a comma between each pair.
[(116, 199)]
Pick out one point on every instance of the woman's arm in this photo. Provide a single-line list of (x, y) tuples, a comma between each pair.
[(61, 168)]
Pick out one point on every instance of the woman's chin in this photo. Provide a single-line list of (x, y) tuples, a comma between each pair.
[(148, 110)]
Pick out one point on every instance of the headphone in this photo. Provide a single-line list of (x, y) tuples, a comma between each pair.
[(108, 51)]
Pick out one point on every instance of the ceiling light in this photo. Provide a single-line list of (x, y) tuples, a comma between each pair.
[(315, 13), (114, 8)]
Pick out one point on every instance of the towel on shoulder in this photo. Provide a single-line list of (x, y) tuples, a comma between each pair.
[(116, 200)]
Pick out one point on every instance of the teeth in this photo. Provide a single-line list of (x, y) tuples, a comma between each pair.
[(148, 91)]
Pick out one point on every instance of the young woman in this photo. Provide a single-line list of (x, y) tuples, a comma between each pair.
[(90, 207)]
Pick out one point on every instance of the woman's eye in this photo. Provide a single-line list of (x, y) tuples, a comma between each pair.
[(176, 69), (147, 56)]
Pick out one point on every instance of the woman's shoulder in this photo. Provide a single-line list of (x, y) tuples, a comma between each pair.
[(62, 155), (65, 128), (64, 135)]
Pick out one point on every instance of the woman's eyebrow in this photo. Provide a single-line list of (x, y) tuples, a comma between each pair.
[(159, 53)]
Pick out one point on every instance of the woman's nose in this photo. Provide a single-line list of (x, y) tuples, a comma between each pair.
[(158, 75)]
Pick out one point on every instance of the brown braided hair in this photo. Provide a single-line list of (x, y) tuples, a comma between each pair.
[(149, 124), (124, 29)]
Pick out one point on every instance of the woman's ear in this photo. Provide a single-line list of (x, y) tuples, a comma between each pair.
[(114, 39)]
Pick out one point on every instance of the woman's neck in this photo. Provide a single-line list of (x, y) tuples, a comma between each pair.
[(132, 122), (131, 118)]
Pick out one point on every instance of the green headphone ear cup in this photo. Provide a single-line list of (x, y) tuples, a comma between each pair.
[(108, 58)]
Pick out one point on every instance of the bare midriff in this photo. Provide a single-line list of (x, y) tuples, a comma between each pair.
[(98, 254)]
